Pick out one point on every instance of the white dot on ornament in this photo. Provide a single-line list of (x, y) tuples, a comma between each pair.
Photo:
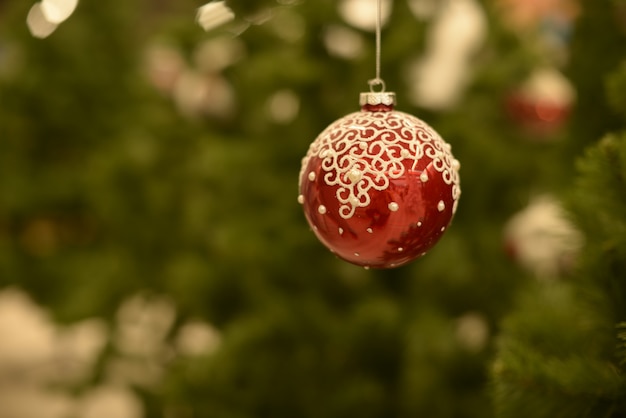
[(340, 231), (321, 209), (424, 177), (441, 206), (357, 254), (354, 200), (355, 175), (405, 153), (312, 176), (393, 206), (456, 164), (301, 199), (366, 267), (419, 224), (370, 230), (443, 228), (363, 145), (400, 249)]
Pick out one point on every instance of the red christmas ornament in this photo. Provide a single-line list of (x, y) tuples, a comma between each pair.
[(379, 187), (543, 103), (541, 117)]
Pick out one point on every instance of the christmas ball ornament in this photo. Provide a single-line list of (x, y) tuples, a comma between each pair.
[(543, 103), (379, 187), (542, 239)]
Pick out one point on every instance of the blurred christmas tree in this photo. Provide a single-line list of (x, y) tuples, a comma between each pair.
[(561, 352), (148, 190)]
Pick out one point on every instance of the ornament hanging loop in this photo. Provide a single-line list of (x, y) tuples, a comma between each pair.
[(376, 82)]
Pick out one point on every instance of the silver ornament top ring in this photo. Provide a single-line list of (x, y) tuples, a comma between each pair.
[(376, 82)]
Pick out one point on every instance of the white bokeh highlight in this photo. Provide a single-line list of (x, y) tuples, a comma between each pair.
[(343, 42), (362, 14), (57, 11), (284, 106), (37, 24), (213, 15)]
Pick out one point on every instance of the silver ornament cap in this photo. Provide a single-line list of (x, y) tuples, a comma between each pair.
[(373, 98)]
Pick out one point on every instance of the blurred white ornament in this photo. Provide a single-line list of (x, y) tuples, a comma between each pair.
[(343, 42), (213, 15), (472, 331), (56, 11), (197, 338), (110, 401), (362, 14), (283, 106), (542, 238), (27, 335), (38, 25), (217, 54), (439, 78)]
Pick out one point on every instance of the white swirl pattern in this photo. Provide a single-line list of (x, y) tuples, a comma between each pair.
[(364, 150)]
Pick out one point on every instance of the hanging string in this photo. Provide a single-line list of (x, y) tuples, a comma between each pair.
[(378, 81)]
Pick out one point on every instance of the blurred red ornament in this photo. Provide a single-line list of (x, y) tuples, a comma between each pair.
[(542, 117), (542, 104), (379, 187)]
